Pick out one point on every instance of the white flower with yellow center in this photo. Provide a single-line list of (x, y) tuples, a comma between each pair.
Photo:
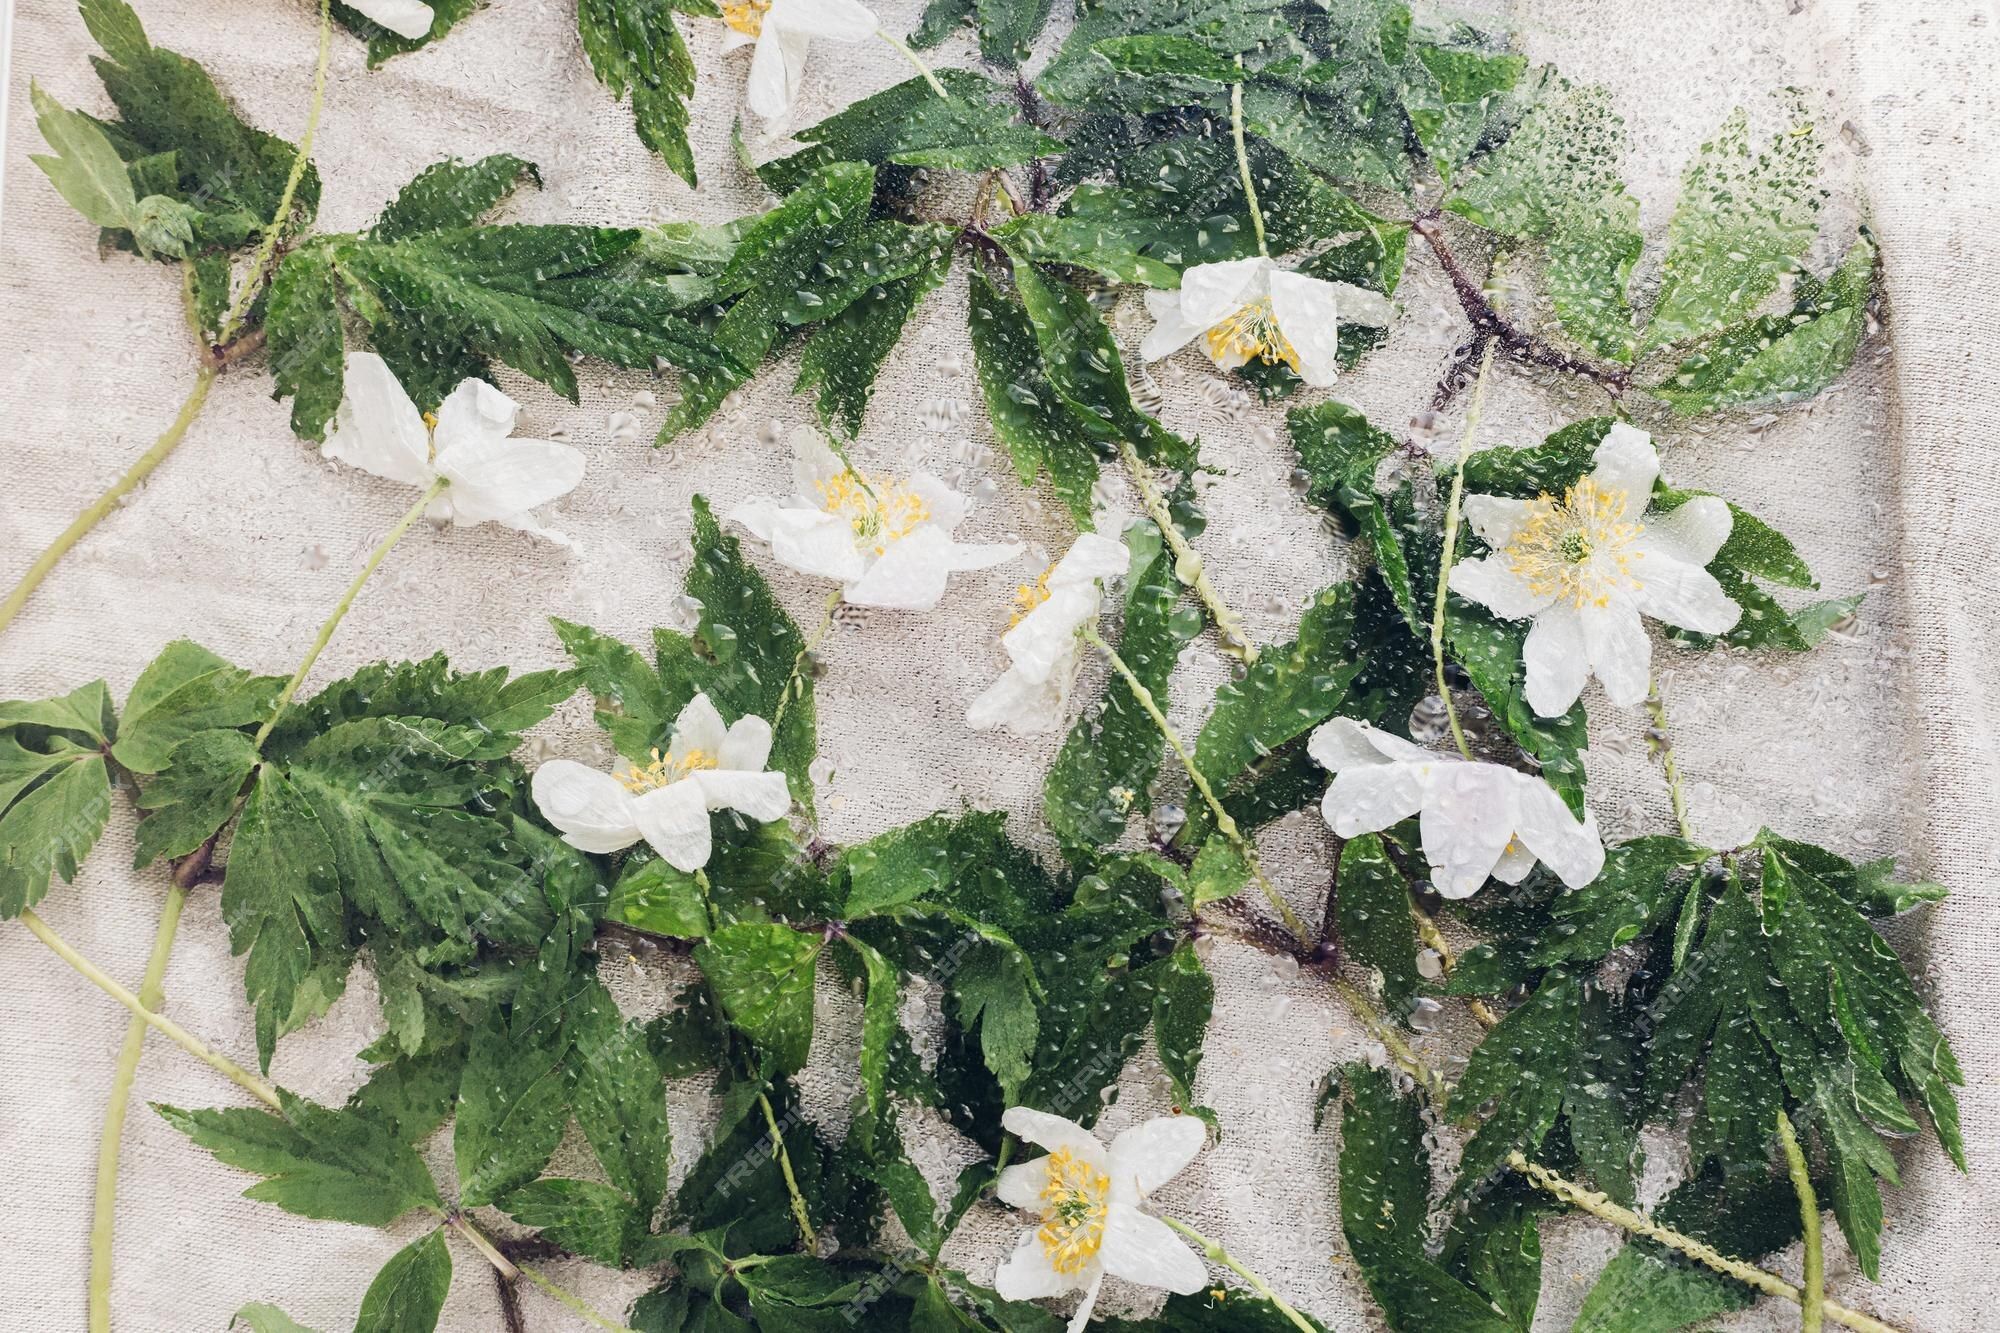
[(1250, 309), (493, 479), (889, 542), (1091, 1201), (707, 766), (1587, 566), (406, 18), (1044, 643), (782, 31), (1479, 821)]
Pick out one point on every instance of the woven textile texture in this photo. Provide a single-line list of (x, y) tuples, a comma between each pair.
[(1884, 740)]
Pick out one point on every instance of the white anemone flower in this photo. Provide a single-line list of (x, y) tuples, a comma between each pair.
[(1479, 821), (1045, 644), (1587, 566), (494, 479), (1251, 308), (782, 31), (667, 802), (405, 18), (1091, 1200), (889, 542)]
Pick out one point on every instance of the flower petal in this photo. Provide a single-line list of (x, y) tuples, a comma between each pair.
[(747, 747), (1210, 293), (1685, 596), (591, 808), (1514, 863), (947, 507), (674, 820), (836, 20), (1053, 1132), (1141, 1248), (1027, 1275), (1308, 312), (1568, 847), (762, 796), (1691, 532), (699, 727), (1172, 329), (1467, 822), (376, 427), (1023, 706), (1020, 1186), (499, 479), (406, 18), (1370, 799), (1498, 519), (910, 576), (1045, 641), (815, 542), (475, 411), (1621, 654), (1557, 662), (1092, 556), (776, 71), (1490, 582), (813, 461), (1149, 1154), (1084, 1307), (1627, 461)]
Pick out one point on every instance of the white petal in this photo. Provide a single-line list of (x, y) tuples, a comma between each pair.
[(1344, 743), (1621, 655), (591, 808), (674, 820), (813, 461), (1053, 1132), (1627, 461), (1151, 1153), (1467, 821), (815, 542), (1391, 747), (1514, 863), (1023, 706), (837, 20), (1045, 643), (1021, 1186), (376, 427), (947, 507), (699, 727), (762, 796), (1359, 305), (1091, 557), (1498, 519), (1171, 331), (1368, 800), (1491, 583), (747, 747), (475, 411), (910, 576), (1210, 293), (1569, 848), (776, 71), (757, 515), (406, 18), (1026, 1274), (1088, 1303), (1557, 662), (1685, 596), (983, 555), (500, 479), (1692, 532), (1141, 1248), (1308, 314)]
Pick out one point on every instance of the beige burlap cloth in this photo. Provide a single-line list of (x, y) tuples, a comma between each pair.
[(1882, 741)]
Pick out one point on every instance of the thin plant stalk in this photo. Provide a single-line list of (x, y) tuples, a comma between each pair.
[(1660, 740), (1451, 517), (784, 1158), (1188, 567), (510, 1271), (1217, 1255), (1813, 1305), (902, 48), (1243, 164)]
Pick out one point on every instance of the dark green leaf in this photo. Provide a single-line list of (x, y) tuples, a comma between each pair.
[(763, 975), (452, 194), (1181, 1010), (192, 799), (582, 1216), (184, 690), (1376, 928), (408, 1294), (1030, 419), (635, 46)]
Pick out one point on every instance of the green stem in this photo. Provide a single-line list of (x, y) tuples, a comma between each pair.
[(179, 1035), (1814, 1302), (104, 1220), (510, 1271), (903, 49), (1217, 1255), (340, 608), (1661, 742), (1243, 163), (794, 683), (1188, 567), (1598, 1206), (1224, 823), (1451, 513), (799, 1213), (1400, 1051)]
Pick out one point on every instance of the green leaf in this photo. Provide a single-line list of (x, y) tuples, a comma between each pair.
[(620, 1100), (86, 710), (1149, 55), (1642, 882), (408, 1294), (992, 991), (1030, 419), (413, 1094), (383, 43), (187, 689), (879, 1028), (513, 1102), (845, 354), (1340, 451), (302, 322), (582, 1216), (1007, 28), (632, 702), (262, 1318), (1743, 220), (333, 1166), (1452, 94), (1372, 902), (451, 194), (655, 897), (909, 125), (55, 794), (635, 46), (1108, 761), (188, 803), (763, 975), (1181, 1010), (85, 169)]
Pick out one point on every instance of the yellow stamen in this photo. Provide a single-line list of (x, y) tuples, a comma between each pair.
[(665, 770), (1075, 1202), (1578, 549), (1028, 596), (1252, 332), (746, 16), (881, 512)]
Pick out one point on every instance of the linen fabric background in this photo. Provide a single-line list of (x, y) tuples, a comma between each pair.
[(1885, 740)]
